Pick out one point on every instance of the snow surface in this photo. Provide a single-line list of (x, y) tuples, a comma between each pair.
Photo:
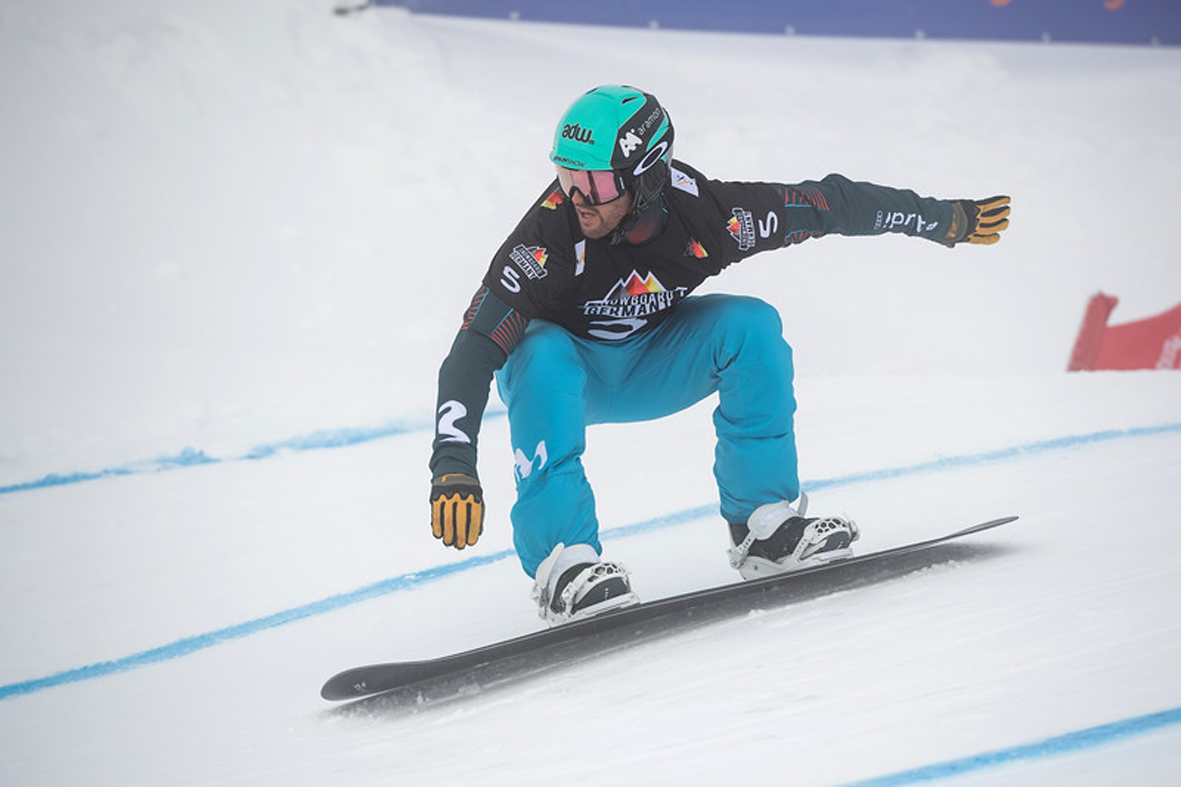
[(232, 261)]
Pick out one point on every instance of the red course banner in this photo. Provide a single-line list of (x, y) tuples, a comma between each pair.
[(1151, 343)]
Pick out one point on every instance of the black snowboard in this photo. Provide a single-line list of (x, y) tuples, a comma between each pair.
[(461, 673)]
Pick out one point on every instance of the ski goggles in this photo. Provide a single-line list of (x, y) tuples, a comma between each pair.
[(597, 186)]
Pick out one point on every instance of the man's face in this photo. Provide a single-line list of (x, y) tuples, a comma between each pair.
[(599, 221), (600, 198)]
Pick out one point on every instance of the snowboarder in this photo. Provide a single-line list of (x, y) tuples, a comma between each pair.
[(586, 316)]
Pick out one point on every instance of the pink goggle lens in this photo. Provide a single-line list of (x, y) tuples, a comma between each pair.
[(596, 186)]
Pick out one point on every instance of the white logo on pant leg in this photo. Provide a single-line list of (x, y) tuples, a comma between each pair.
[(525, 465)]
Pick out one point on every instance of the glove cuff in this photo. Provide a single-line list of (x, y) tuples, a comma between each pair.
[(961, 223), (455, 479)]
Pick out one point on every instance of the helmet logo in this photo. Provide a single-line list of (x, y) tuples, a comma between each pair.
[(654, 154), (629, 143), (577, 133)]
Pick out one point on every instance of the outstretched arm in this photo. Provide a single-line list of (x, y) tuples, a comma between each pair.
[(768, 216), (839, 205)]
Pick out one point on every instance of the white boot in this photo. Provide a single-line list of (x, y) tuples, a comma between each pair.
[(777, 538), (573, 583)]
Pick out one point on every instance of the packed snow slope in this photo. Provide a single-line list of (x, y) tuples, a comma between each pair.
[(236, 241)]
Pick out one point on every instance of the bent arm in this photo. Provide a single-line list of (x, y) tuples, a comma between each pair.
[(491, 330)]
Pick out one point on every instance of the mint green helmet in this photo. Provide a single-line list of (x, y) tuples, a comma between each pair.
[(619, 128)]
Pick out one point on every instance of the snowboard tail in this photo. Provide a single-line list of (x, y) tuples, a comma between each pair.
[(473, 670)]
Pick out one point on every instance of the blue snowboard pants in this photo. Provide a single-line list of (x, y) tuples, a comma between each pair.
[(556, 384)]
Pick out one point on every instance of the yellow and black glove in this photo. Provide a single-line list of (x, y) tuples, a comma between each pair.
[(978, 221), (457, 509)]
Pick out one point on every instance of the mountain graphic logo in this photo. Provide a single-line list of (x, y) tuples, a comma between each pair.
[(633, 286), (695, 249), (554, 200), (630, 302)]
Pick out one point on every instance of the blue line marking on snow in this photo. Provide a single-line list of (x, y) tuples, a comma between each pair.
[(191, 457), (1000, 454), (1050, 747), (188, 645), (344, 438), (184, 647)]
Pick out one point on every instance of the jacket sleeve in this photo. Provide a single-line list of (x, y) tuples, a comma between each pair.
[(765, 216), (518, 282), (841, 206), (490, 331)]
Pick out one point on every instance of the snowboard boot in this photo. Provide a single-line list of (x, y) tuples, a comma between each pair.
[(778, 538), (573, 583)]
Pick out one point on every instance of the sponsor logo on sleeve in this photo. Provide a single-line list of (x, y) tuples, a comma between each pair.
[(742, 228), (898, 219), (449, 413), (769, 224), (531, 260)]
